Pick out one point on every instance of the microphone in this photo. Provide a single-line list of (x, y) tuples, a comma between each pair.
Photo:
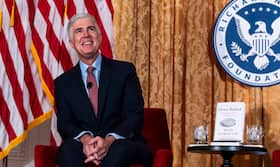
[(89, 85)]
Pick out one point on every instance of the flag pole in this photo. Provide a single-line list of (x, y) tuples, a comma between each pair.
[(5, 162)]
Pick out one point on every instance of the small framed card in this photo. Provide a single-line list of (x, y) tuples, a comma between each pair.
[(229, 123)]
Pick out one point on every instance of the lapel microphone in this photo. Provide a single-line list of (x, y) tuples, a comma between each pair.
[(89, 85)]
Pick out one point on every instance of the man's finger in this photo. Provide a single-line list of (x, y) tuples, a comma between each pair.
[(89, 159), (101, 155)]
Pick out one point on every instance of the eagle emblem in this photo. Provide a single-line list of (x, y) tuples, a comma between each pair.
[(246, 41), (260, 41)]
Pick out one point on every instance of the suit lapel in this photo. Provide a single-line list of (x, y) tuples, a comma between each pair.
[(81, 93), (78, 83), (103, 83)]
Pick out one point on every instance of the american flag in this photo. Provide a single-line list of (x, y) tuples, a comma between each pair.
[(34, 50)]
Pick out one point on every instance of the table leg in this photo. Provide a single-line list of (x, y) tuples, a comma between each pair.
[(227, 159)]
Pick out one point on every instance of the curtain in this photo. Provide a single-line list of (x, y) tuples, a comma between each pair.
[(170, 43)]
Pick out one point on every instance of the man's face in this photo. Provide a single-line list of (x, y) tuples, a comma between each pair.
[(86, 38)]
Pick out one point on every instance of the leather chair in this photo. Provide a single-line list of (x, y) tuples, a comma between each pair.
[(155, 131)]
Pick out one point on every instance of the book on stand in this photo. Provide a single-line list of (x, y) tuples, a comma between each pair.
[(229, 123)]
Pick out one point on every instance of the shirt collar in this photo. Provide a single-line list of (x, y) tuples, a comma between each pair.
[(96, 64)]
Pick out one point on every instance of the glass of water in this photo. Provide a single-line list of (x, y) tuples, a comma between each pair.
[(200, 134), (254, 134)]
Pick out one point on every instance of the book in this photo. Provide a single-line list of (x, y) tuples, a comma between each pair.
[(229, 122)]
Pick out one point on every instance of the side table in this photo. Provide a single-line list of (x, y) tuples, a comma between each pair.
[(227, 152)]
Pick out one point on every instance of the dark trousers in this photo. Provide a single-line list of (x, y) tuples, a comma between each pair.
[(122, 153)]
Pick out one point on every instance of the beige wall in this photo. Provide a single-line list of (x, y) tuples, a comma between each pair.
[(23, 154)]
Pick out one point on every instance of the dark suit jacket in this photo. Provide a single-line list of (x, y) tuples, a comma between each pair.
[(120, 102)]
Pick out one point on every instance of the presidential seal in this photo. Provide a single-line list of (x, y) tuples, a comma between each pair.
[(246, 41)]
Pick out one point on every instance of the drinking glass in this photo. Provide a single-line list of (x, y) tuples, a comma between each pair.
[(254, 134), (201, 134)]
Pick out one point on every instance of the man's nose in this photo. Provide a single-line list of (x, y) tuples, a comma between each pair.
[(86, 33)]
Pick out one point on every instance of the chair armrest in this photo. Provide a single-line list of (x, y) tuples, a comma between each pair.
[(276, 158), (163, 158), (45, 156)]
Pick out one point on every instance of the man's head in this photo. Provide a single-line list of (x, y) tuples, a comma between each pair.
[(84, 36)]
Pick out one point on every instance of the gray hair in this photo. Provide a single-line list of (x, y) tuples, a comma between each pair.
[(77, 17)]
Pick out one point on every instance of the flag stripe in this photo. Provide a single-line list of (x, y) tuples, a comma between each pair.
[(5, 118), (71, 8), (80, 6), (61, 7), (105, 44), (33, 98), (39, 49), (38, 45), (45, 9), (11, 71), (65, 58), (20, 64), (110, 6), (106, 17), (6, 108), (8, 97), (57, 26), (45, 32)]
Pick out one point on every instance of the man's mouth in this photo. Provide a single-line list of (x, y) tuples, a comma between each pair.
[(87, 43)]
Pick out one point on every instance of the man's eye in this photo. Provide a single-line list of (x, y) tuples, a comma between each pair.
[(78, 30), (92, 28)]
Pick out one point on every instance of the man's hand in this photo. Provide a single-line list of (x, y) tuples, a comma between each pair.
[(88, 144), (96, 148)]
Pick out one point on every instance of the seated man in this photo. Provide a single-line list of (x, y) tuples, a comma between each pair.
[(100, 107)]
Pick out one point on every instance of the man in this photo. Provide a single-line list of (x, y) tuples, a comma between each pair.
[(104, 130)]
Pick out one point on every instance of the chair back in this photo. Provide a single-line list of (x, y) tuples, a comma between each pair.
[(155, 129), (276, 158)]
